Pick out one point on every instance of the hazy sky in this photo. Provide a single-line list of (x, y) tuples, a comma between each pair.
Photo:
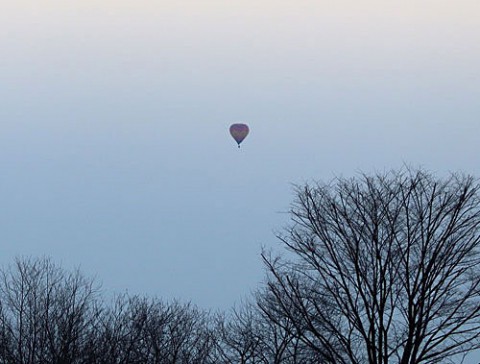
[(114, 147)]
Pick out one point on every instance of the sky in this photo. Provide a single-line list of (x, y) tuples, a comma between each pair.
[(115, 155)]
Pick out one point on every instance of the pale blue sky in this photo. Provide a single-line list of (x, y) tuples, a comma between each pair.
[(114, 146)]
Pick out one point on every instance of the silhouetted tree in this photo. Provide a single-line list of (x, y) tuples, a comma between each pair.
[(46, 314), (139, 330), (239, 336), (255, 333), (281, 335), (51, 316), (384, 269)]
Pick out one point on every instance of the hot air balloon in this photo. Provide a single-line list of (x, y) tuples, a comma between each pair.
[(239, 132)]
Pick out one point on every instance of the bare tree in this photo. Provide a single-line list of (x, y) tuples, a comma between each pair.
[(283, 340), (51, 316), (239, 336), (384, 268), (47, 315), (255, 332), (141, 330)]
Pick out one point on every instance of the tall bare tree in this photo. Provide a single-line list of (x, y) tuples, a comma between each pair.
[(384, 268)]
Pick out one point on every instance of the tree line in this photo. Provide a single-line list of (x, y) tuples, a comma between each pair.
[(377, 269)]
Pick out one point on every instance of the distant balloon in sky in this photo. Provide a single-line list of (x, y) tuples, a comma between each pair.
[(239, 132)]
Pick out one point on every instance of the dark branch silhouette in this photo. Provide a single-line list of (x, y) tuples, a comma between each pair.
[(386, 268)]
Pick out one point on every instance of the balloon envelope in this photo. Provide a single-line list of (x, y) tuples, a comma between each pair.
[(239, 132)]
